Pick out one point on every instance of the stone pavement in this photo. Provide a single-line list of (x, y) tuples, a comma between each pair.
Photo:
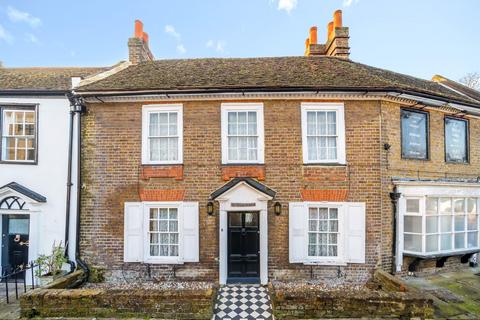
[(456, 295), (10, 310), (236, 302)]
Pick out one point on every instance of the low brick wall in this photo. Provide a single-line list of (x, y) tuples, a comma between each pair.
[(312, 301), (165, 303)]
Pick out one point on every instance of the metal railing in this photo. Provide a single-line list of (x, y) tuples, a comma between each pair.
[(12, 276)]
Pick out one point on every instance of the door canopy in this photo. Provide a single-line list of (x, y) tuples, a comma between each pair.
[(13, 196), (244, 189)]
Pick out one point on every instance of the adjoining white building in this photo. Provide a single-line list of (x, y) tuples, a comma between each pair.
[(35, 118)]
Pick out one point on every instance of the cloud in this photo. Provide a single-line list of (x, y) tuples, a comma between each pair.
[(21, 16), (30, 37), (218, 46), (287, 5), (169, 29), (181, 49), (5, 36), (348, 3)]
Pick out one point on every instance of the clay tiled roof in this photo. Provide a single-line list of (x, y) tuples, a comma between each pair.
[(42, 79), (318, 73), (471, 93)]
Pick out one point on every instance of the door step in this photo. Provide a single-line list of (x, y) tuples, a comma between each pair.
[(236, 302)]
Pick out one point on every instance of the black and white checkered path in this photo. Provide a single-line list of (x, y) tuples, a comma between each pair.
[(236, 302)]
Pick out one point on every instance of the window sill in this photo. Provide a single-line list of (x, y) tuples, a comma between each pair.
[(19, 162), (163, 261), (440, 254), (325, 263), (325, 164)]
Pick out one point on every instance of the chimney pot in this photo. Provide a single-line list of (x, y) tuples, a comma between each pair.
[(138, 29), (313, 35), (330, 30), (145, 37), (337, 19)]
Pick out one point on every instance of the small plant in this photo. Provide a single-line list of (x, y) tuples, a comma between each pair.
[(51, 265)]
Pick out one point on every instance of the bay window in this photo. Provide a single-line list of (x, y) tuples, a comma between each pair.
[(435, 225), (323, 133), (162, 134), (242, 133), (18, 134)]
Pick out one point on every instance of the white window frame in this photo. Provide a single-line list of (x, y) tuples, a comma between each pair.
[(154, 108), (340, 118), (340, 259), (146, 215), (423, 215), (258, 108)]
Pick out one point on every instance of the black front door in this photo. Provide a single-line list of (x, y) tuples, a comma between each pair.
[(15, 232), (243, 247)]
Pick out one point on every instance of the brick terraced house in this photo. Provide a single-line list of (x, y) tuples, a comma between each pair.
[(282, 168)]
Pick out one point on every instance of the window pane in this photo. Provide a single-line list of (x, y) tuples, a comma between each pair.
[(446, 242), (311, 123), (446, 223), (321, 123), (472, 205), (432, 224), (414, 134), (432, 243), (472, 222), (459, 223), (413, 205), (459, 205), (460, 240), (472, 239), (456, 140), (445, 205), (413, 224), (432, 206), (323, 213), (413, 242)]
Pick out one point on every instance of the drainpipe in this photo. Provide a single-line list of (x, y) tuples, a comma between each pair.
[(394, 196), (69, 184), (76, 108)]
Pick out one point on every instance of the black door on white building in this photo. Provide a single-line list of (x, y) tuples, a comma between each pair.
[(15, 241), (243, 247)]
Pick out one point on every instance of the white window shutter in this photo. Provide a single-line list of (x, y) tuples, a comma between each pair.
[(190, 232), (297, 221), (133, 232), (355, 232)]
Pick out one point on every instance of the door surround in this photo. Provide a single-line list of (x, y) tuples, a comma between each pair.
[(243, 197)]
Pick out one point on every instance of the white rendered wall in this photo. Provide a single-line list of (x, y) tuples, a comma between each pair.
[(49, 176)]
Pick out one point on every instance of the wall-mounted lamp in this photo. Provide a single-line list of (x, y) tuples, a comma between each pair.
[(277, 208), (210, 208)]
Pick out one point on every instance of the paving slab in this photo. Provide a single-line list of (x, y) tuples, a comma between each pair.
[(456, 295)]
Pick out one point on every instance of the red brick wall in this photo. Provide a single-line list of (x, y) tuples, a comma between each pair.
[(112, 174)]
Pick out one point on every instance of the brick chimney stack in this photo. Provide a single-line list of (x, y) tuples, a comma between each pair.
[(138, 49), (337, 40)]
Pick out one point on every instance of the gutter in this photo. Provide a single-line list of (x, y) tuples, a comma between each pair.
[(28, 92), (390, 91), (394, 196)]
